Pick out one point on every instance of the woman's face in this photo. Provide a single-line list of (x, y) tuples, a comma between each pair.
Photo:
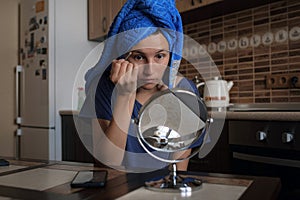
[(152, 56)]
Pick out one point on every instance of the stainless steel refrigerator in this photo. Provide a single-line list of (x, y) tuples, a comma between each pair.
[(35, 82)]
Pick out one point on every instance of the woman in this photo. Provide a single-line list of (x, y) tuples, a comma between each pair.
[(146, 38)]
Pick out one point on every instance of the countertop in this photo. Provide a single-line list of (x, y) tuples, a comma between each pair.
[(239, 115)]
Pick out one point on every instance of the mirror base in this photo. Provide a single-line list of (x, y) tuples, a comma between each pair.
[(174, 183)]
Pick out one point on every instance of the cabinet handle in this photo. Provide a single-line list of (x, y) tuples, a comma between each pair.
[(193, 2), (287, 137), (261, 135), (19, 69), (104, 24)]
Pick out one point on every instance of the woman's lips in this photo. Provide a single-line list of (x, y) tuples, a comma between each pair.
[(149, 81)]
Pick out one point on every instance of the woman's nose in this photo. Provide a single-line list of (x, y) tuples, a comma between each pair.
[(148, 67)]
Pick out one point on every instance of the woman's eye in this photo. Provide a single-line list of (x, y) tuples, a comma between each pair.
[(160, 56), (138, 57)]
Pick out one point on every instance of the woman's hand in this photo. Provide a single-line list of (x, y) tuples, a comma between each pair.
[(161, 86), (124, 75)]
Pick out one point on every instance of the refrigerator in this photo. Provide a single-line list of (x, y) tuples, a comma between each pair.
[(35, 106)]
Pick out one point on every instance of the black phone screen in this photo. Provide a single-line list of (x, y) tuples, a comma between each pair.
[(90, 178)]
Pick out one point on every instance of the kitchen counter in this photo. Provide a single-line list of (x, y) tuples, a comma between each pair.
[(241, 115), (51, 180), (262, 116)]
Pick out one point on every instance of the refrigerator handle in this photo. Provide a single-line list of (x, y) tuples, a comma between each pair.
[(19, 69), (18, 143)]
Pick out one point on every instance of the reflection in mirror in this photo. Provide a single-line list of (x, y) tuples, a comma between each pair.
[(173, 121)]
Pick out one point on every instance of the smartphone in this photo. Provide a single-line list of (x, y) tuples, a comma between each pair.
[(89, 178), (4, 162)]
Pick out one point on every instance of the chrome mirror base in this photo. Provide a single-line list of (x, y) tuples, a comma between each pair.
[(174, 183)]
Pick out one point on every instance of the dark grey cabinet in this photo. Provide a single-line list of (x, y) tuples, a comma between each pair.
[(219, 159), (72, 147)]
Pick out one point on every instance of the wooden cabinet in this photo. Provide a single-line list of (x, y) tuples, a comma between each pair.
[(100, 16), (186, 5)]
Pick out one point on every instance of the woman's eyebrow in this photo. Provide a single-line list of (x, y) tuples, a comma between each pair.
[(141, 52)]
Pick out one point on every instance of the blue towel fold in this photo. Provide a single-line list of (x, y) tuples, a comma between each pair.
[(136, 20)]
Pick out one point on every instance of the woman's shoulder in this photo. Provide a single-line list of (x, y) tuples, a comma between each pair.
[(183, 81), (187, 84)]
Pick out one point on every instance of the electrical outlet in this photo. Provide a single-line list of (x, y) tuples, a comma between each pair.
[(283, 81), (295, 80), (270, 81), (277, 81)]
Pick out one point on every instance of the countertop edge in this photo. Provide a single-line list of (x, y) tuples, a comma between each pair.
[(260, 116), (231, 115)]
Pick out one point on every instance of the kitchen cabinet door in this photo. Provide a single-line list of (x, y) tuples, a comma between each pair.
[(101, 14), (99, 18), (116, 6)]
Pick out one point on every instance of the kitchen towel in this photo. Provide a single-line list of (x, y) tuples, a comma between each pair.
[(135, 21)]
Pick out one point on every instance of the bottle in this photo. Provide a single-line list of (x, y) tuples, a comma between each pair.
[(81, 97)]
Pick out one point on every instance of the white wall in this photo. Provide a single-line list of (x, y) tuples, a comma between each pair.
[(71, 48)]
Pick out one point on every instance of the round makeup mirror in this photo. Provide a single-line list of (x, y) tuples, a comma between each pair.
[(173, 121)]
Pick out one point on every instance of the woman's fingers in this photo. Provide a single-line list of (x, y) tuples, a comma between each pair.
[(114, 73), (124, 75)]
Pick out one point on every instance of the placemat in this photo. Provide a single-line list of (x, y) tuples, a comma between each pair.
[(10, 168), (6, 198), (208, 192), (37, 179)]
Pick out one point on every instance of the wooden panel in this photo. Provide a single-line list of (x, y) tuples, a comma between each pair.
[(101, 14)]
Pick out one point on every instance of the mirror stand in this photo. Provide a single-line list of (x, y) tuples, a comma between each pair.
[(174, 183)]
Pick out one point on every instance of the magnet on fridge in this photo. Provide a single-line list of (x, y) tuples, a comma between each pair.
[(32, 20), (43, 39), (37, 72), (44, 51), (45, 19), (39, 6), (44, 74), (42, 63)]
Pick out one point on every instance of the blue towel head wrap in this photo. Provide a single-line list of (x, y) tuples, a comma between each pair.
[(137, 20)]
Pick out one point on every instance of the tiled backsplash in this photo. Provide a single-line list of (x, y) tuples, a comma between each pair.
[(248, 46)]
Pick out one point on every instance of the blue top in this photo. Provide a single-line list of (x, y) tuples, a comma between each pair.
[(103, 105)]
